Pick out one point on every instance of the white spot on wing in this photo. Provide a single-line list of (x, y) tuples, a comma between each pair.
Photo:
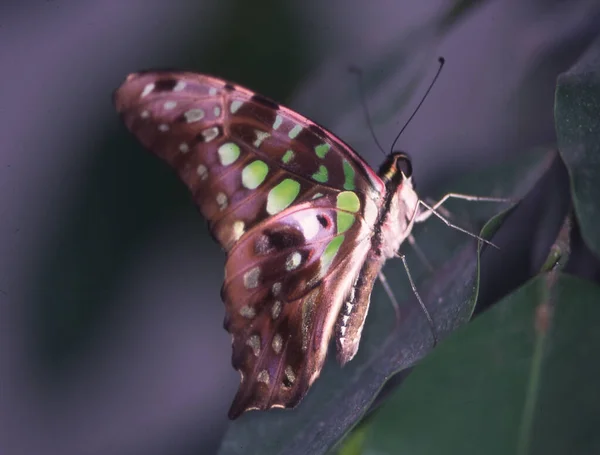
[(263, 376), (276, 309), (260, 137), (310, 226), (222, 200), (247, 311), (277, 343), (194, 115), (254, 343), (163, 127), (184, 148), (210, 133), (238, 230), (147, 89), (293, 261), (289, 374), (349, 307), (202, 171), (251, 278), (276, 288), (235, 105), (170, 105), (179, 86)]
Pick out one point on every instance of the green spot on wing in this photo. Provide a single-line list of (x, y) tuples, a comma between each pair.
[(288, 156), (228, 153), (295, 131), (349, 176), (331, 250), (348, 200), (282, 196), (254, 174), (344, 221), (321, 150), (321, 174)]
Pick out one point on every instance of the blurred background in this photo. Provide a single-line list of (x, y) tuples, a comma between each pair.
[(111, 338)]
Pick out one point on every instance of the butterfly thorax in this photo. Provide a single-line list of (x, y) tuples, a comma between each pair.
[(397, 216)]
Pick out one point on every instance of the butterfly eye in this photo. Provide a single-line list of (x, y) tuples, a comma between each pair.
[(404, 164)]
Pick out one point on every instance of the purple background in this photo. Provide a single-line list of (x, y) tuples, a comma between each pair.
[(146, 367)]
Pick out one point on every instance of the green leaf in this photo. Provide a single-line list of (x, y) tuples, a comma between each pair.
[(340, 397), (354, 443), (520, 379), (577, 115), (560, 251)]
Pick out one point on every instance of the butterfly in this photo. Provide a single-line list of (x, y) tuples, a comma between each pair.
[(307, 225)]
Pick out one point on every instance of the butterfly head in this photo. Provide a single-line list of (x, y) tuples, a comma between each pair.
[(397, 169)]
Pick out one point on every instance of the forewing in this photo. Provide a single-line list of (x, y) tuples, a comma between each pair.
[(243, 157), (286, 282)]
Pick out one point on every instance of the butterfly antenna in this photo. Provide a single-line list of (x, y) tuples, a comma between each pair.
[(441, 61), (359, 77)]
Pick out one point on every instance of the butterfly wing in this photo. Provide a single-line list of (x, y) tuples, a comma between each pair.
[(292, 205), (230, 145)]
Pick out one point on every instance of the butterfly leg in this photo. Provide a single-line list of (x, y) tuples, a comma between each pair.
[(419, 217), (447, 213), (415, 292), (433, 208), (444, 211), (413, 242)]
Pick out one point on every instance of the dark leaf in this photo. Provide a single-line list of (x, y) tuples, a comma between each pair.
[(577, 115), (340, 397)]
